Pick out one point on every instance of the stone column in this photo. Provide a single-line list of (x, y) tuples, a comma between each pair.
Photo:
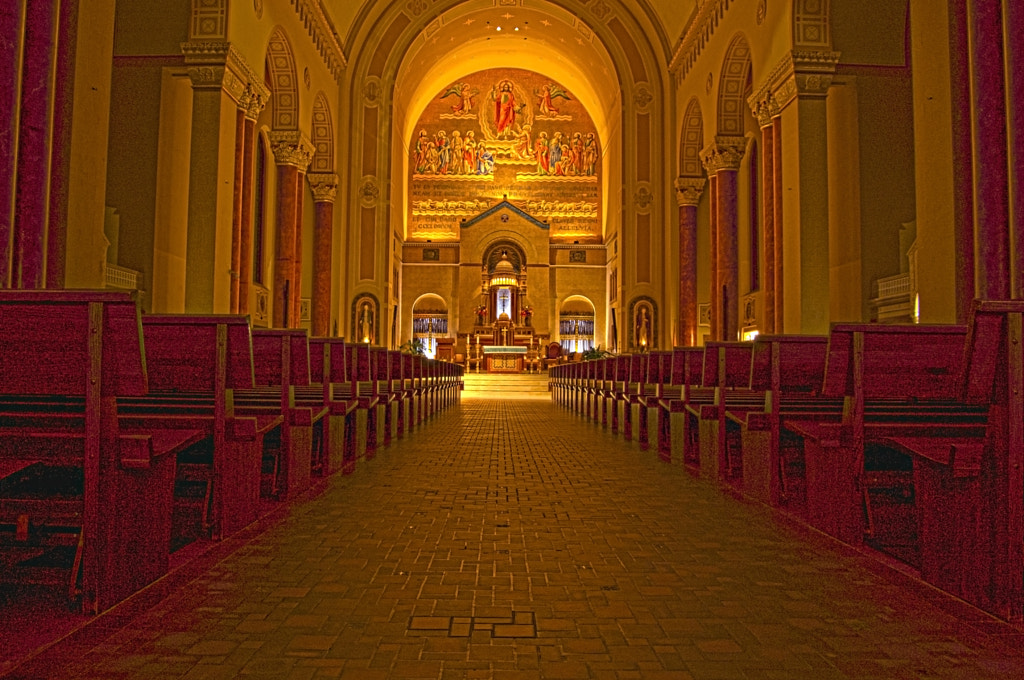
[(236, 213), (777, 223), (220, 80), (716, 321), (34, 146), (256, 100), (325, 189), (292, 154), (1013, 15), (991, 181), (764, 111), (10, 80), (722, 160), (300, 196), (688, 193)]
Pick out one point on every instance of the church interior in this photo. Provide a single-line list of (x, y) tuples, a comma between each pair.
[(284, 234)]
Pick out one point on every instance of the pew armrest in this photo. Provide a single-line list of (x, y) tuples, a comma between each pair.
[(139, 450)]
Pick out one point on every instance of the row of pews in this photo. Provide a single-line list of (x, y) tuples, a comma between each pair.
[(904, 440), (125, 437)]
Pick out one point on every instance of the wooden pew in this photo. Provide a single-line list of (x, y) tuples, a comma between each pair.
[(789, 370), (390, 397), (85, 498), (615, 388), (894, 381), (329, 362), (727, 373), (673, 427), (196, 363), (969, 492), (628, 400), (281, 363), (659, 373), (364, 390)]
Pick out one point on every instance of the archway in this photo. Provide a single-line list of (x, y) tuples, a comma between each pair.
[(430, 326), (576, 324)]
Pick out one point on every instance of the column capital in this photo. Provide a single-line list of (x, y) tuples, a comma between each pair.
[(725, 153), (689, 190), (324, 186), (214, 64), (799, 74), (291, 147)]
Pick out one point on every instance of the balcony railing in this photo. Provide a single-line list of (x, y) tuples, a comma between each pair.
[(121, 277), (892, 286)]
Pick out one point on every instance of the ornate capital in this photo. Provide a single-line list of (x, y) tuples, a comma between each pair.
[(324, 186), (798, 74), (291, 147), (216, 64), (726, 153), (689, 190)]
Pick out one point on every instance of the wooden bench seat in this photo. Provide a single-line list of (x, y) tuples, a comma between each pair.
[(85, 497), (330, 363), (684, 388)]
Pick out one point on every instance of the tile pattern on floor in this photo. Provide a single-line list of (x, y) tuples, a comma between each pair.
[(515, 540)]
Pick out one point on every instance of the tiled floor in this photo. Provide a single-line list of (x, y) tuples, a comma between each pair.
[(517, 540)]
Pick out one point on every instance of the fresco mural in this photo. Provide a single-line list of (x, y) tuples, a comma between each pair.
[(505, 134)]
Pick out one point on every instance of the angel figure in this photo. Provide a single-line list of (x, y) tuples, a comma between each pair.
[(465, 93), (546, 97)]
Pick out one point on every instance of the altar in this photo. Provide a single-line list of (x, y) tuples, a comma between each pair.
[(504, 358)]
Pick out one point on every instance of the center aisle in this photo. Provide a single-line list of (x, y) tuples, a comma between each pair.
[(512, 539)]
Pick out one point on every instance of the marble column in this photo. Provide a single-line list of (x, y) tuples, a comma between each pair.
[(325, 189), (722, 160), (713, 257), (254, 104), (764, 119), (1013, 16), (688, 193), (10, 80), (34, 146), (292, 154), (991, 181), (777, 255), (300, 195), (236, 212)]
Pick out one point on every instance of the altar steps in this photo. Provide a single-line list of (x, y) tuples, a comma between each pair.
[(505, 386)]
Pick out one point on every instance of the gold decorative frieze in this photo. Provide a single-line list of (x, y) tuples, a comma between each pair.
[(216, 63)]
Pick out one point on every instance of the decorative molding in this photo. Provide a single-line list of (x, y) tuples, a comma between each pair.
[(642, 99), (325, 37), (643, 197), (689, 190), (704, 314), (291, 147), (372, 91), (217, 64), (725, 153), (798, 74), (369, 191), (208, 20), (324, 186), (697, 35)]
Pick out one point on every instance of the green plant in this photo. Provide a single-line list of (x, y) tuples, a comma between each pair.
[(414, 346), (595, 353)]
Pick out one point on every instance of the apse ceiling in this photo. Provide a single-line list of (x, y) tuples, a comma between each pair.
[(532, 34)]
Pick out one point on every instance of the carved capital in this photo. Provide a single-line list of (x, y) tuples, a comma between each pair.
[(291, 147), (798, 74), (324, 186), (726, 153), (689, 190), (217, 64)]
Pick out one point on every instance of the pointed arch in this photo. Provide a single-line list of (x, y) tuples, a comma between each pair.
[(282, 81), (691, 141), (323, 135), (732, 102)]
